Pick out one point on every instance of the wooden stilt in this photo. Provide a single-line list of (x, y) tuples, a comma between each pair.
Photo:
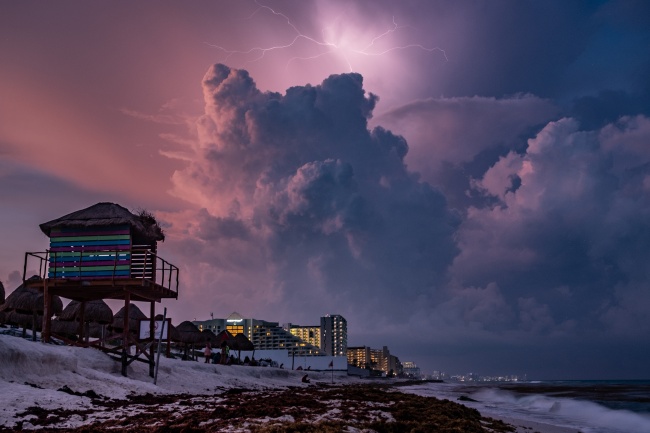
[(169, 339), (47, 315), (152, 335), (34, 321), (82, 320), (125, 333)]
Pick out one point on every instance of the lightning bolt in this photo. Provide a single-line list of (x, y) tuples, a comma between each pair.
[(329, 47)]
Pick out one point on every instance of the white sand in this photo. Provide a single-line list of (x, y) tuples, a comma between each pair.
[(31, 373)]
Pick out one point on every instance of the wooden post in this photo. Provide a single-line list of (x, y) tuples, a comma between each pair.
[(82, 318), (152, 329), (34, 321), (125, 333), (47, 307), (169, 336)]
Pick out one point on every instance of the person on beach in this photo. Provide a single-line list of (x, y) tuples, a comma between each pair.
[(305, 379), (207, 352)]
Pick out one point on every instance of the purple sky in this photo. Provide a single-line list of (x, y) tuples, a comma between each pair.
[(467, 183)]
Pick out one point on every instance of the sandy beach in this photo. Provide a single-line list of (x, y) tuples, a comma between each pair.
[(60, 388)]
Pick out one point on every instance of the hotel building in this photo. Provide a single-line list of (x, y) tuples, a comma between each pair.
[(411, 370), (308, 334), (375, 359), (334, 335), (297, 340)]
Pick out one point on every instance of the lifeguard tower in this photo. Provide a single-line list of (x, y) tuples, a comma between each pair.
[(105, 252)]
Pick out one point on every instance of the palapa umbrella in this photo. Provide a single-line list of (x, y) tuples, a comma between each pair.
[(70, 329), (29, 301), (209, 337), (188, 334), (243, 343), (226, 336), (95, 312), (65, 328), (23, 320), (135, 316)]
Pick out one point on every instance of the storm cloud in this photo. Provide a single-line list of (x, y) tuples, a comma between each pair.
[(297, 183), (303, 205), (466, 182)]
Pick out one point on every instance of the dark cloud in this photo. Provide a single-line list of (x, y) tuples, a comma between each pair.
[(305, 210), (341, 221), (488, 212), (564, 247), (452, 140)]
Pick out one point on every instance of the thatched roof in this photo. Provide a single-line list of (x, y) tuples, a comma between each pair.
[(227, 337), (188, 333), (243, 343), (11, 317), (135, 315), (109, 214), (27, 300), (66, 327), (96, 311), (209, 337)]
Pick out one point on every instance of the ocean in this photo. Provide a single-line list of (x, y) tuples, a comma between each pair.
[(587, 406)]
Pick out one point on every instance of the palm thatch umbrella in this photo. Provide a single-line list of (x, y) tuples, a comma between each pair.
[(2, 301), (70, 329), (189, 335), (95, 312), (26, 321), (226, 336), (209, 337), (30, 301), (243, 343), (135, 316), (65, 328)]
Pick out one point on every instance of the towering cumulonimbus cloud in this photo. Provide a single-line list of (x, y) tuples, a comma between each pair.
[(302, 210), (303, 207), (569, 229)]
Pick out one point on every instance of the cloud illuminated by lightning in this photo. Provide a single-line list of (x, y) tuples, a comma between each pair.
[(333, 42)]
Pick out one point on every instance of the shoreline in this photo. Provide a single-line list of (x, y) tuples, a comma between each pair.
[(525, 426), (316, 407), (64, 388)]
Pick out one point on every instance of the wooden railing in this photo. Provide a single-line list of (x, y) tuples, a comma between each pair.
[(137, 262)]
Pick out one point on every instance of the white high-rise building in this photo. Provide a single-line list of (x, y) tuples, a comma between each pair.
[(334, 335)]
